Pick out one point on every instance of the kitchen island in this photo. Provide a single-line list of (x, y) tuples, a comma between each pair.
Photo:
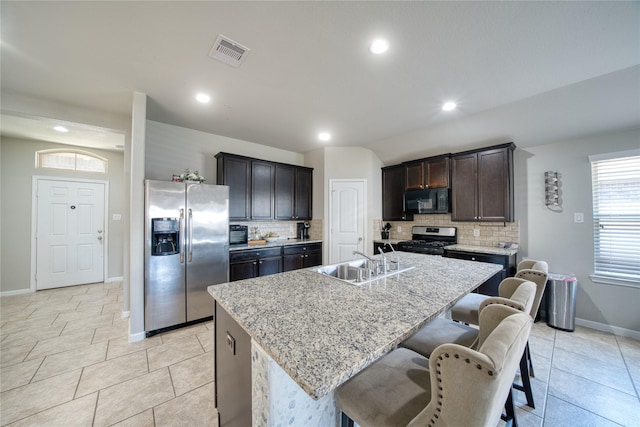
[(302, 334)]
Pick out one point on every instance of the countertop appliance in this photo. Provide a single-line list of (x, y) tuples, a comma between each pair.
[(186, 250), (429, 201), (429, 240), (303, 230), (238, 234)]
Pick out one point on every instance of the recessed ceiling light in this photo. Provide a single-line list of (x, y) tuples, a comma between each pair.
[(60, 129), (324, 136), (379, 46), (201, 97), (448, 106)]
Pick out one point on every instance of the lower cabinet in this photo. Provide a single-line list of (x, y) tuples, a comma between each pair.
[(384, 246), (299, 256), (490, 287), (249, 263)]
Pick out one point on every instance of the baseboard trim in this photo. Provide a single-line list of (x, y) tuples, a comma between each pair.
[(137, 337), (16, 292), (616, 330), (114, 279)]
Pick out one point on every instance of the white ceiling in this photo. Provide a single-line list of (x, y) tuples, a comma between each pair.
[(531, 72)]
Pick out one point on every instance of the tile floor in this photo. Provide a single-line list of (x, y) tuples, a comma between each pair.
[(66, 361)]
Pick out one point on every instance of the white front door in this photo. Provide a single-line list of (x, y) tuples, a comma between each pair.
[(69, 233), (347, 219)]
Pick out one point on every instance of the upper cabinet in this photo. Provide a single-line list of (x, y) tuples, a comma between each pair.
[(263, 190), (293, 188), (393, 183), (427, 173), (235, 171), (482, 184)]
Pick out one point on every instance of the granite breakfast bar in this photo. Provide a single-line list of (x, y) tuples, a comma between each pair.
[(285, 342)]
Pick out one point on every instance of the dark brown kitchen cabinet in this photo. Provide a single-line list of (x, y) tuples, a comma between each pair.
[(482, 184), (293, 186), (393, 183), (490, 287), (262, 189), (299, 256), (235, 171), (250, 263), (427, 173)]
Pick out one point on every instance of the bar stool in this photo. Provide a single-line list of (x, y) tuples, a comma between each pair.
[(457, 386)]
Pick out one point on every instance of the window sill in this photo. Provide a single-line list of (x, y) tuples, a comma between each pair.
[(608, 280)]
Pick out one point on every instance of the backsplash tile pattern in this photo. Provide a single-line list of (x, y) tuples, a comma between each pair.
[(491, 233), (284, 229)]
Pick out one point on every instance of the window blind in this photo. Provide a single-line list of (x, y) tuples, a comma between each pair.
[(616, 216)]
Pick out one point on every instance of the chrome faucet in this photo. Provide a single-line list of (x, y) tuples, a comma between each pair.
[(372, 264), (384, 259), (395, 253)]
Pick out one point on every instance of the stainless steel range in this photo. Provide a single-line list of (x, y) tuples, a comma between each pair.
[(429, 240)]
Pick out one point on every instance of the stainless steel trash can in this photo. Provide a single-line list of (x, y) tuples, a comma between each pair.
[(561, 301)]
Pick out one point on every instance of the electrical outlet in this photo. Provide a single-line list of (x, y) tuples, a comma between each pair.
[(578, 217), (231, 343), (399, 229), (117, 217), (476, 232)]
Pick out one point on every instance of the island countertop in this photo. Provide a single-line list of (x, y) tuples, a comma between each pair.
[(322, 331)]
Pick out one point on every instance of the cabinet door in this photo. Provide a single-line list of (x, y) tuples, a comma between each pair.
[(246, 269), (393, 183), (464, 187), (262, 189), (236, 172), (285, 191), (437, 173), (303, 196), (312, 259), (414, 176), (292, 262), (267, 266), (494, 185)]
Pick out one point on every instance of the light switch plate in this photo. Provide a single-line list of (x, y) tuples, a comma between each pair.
[(399, 229), (578, 217), (117, 217)]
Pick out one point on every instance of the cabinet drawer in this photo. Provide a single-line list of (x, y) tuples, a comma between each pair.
[(299, 249), (253, 254)]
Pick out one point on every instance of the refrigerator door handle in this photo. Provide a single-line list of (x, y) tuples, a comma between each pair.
[(182, 237), (190, 243)]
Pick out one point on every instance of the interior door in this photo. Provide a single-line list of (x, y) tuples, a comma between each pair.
[(70, 233), (347, 219)]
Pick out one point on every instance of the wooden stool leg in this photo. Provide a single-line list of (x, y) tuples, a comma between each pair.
[(346, 421), (526, 381), (510, 417)]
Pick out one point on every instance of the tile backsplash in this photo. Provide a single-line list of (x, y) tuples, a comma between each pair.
[(284, 229), (489, 233)]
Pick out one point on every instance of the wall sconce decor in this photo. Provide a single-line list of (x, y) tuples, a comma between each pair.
[(552, 190)]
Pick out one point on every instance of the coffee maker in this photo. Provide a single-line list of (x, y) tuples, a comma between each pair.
[(303, 230)]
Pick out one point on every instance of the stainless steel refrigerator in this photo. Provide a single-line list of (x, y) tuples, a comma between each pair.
[(186, 250)]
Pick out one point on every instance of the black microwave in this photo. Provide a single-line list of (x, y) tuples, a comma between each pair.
[(430, 201), (238, 234)]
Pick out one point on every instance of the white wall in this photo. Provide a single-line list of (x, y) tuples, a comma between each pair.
[(172, 149), (18, 167), (554, 237)]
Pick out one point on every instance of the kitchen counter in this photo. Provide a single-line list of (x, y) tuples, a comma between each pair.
[(482, 249), (275, 244), (320, 331)]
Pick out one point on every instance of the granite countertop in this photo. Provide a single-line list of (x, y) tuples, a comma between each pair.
[(483, 249), (322, 331), (277, 243)]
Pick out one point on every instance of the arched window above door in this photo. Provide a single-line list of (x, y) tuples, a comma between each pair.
[(75, 160)]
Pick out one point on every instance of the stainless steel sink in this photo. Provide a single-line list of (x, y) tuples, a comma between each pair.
[(356, 272)]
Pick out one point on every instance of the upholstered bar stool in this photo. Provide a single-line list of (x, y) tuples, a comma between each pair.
[(466, 311), (441, 331), (457, 386)]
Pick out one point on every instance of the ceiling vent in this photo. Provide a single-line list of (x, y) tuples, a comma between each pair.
[(228, 51)]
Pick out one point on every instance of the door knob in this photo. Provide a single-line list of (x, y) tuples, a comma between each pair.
[(100, 231), (99, 237)]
